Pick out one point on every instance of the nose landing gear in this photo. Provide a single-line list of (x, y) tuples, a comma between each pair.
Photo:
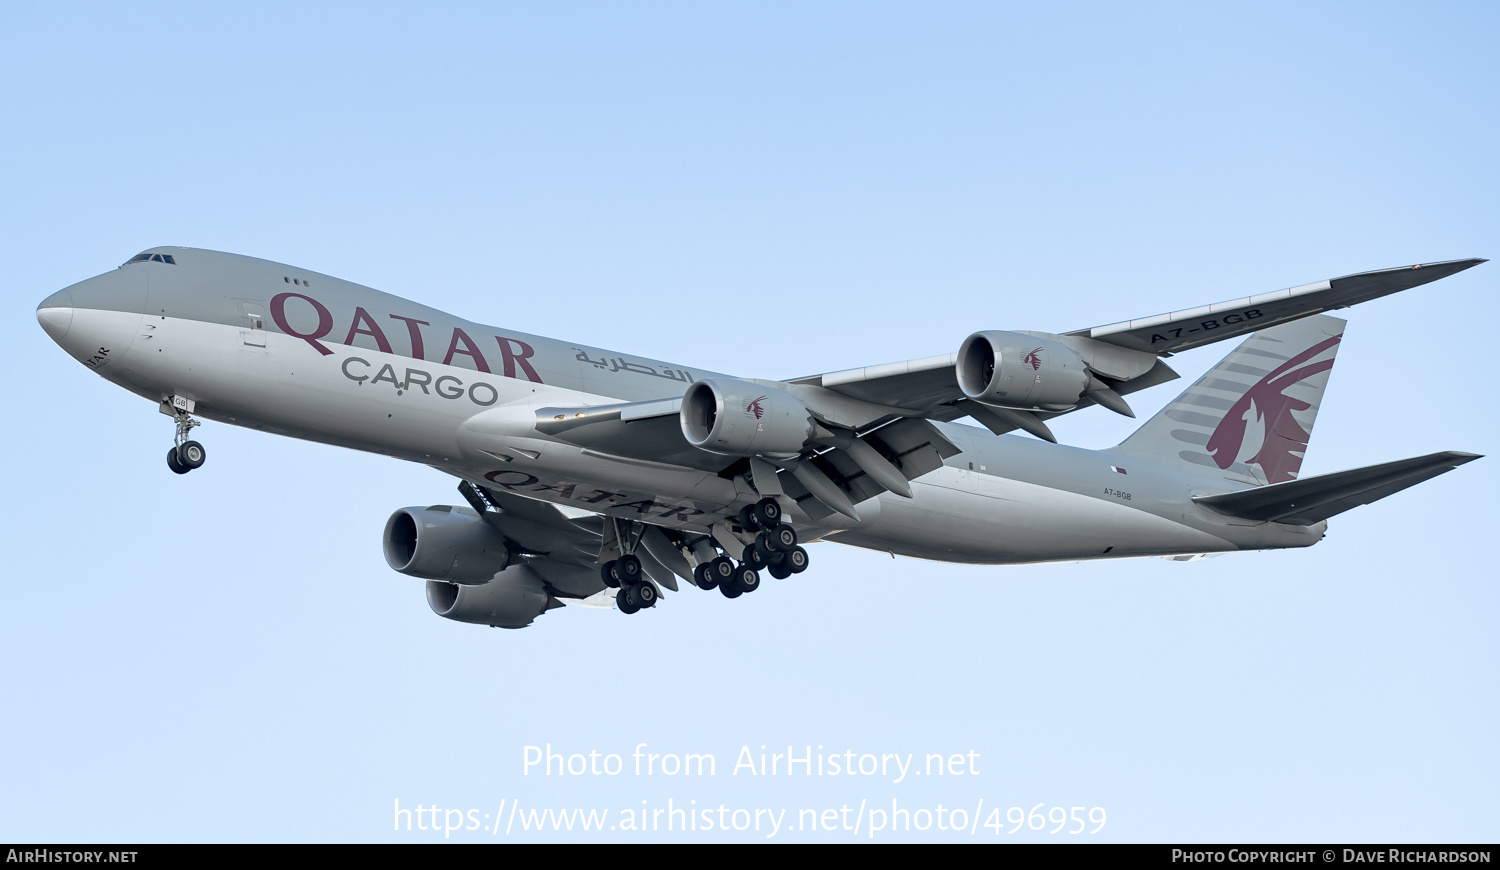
[(185, 455)]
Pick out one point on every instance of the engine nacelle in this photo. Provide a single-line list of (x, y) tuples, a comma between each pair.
[(512, 600), (738, 418), (1013, 370), (444, 543)]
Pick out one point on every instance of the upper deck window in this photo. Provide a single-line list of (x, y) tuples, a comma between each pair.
[(152, 258)]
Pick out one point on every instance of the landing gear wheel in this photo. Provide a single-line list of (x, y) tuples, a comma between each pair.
[(191, 455), (779, 570), (645, 595), (754, 557), (796, 560), (722, 571), (704, 577), (625, 603), (747, 518), (186, 455), (768, 513), (731, 589), (782, 538), (628, 568), (608, 575), (747, 579)]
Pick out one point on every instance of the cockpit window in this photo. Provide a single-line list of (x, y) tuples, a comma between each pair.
[(152, 258)]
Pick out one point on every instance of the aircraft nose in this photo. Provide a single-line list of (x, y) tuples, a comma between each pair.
[(55, 314)]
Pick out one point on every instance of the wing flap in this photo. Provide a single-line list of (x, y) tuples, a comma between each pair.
[(1313, 499)]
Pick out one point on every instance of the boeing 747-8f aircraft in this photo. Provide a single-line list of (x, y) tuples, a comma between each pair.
[(590, 475)]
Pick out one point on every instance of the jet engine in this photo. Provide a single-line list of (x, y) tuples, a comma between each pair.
[(445, 543), (739, 418), (512, 600), (1014, 370)]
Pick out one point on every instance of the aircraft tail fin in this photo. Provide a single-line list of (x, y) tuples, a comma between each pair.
[(1250, 418), (1313, 499)]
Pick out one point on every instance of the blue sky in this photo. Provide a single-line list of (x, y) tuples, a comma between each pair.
[(772, 190)]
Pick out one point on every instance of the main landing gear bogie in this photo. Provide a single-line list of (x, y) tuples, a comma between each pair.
[(745, 579), (764, 514), (773, 549), (625, 574), (782, 539), (714, 573), (784, 565), (633, 597)]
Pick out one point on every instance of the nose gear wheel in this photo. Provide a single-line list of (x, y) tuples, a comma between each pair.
[(185, 454)]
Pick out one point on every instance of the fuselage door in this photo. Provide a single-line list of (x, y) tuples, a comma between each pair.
[(253, 323)]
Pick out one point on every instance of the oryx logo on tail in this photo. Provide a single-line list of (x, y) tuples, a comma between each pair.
[(1283, 439)]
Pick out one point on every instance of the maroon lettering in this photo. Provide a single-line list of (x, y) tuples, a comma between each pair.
[(372, 330), (325, 320), (520, 354), (683, 513), (641, 507), (602, 495), (526, 479), (415, 333), (469, 349)]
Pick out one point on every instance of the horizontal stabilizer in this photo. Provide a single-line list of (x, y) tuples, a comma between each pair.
[(1311, 500)]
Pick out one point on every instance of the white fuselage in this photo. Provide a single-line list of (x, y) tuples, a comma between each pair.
[(381, 374)]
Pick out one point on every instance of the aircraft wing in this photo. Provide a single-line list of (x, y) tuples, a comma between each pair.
[(914, 385), (536, 528), (841, 464), (929, 386), (648, 431), (1195, 327), (576, 537)]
